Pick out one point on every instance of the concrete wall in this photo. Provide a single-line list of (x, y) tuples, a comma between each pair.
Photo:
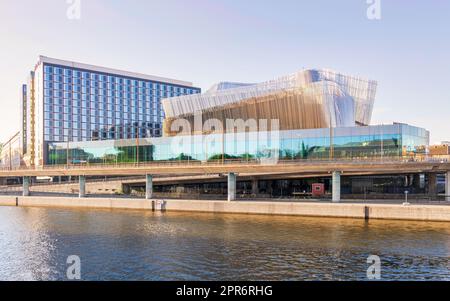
[(106, 203), (270, 208), (369, 211), (412, 212), (7, 200), (108, 187), (342, 210)]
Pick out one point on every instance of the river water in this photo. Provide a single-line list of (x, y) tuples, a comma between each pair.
[(136, 245)]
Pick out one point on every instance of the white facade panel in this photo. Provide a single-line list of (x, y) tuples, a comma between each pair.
[(348, 99)]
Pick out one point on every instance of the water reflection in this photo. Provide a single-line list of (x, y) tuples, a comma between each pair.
[(136, 245)]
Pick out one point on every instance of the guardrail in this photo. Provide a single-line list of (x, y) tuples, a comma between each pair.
[(76, 182), (356, 160)]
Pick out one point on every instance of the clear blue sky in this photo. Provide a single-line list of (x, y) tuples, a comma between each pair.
[(205, 41)]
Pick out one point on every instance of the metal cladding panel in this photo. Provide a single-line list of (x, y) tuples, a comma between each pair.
[(226, 85), (347, 99), (361, 90), (317, 105)]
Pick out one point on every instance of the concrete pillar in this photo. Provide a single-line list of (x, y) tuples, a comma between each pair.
[(148, 187), (416, 182), (82, 190), (269, 187), (126, 188), (447, 186), (26, 186), (255, 189), (336, 187), (432, 184), (231, 187)]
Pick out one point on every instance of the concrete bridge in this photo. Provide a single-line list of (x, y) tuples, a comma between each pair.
[(233, 168)]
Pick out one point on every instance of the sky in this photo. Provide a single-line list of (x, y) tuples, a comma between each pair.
[(406, 47)]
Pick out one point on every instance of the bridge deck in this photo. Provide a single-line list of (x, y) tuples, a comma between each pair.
[(199, 168)]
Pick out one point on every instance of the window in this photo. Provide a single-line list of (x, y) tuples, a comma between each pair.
[(48, 85)]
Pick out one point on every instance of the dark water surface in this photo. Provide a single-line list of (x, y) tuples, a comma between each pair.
[(137, 245)]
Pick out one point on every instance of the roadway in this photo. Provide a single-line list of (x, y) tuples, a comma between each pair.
[(297, 167)]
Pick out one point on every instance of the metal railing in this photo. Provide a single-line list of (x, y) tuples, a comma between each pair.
[(250, 161), (75, 181)]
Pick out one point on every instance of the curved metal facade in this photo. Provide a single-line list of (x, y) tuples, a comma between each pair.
[(306, 99)]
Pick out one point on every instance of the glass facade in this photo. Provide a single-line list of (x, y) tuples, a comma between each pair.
[(24, 109), (86, 105), (393, 141)]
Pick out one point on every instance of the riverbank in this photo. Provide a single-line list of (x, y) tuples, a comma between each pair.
[(416, 212)]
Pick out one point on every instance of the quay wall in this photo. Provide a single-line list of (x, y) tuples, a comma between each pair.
[(417, 212)]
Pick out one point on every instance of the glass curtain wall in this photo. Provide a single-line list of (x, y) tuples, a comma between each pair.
[(338, 143), (83, 105)]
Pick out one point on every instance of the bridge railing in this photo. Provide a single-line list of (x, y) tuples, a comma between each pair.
[(249, 161), (74, 181)]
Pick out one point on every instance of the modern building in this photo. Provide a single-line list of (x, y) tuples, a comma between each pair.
[(363, 143), (309, 115), (24, 118), (11, 152), (66, 102), (321, 114), (304, 100), (442, 149)]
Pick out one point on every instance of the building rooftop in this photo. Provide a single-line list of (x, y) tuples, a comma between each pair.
[(48, 60)]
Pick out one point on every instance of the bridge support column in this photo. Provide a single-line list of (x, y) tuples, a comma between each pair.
[(148, 187), (26, 186), (416, 182), (447, 186), (255, 189), (336, 187), (82, 189), (432, 184), (231, 187)]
